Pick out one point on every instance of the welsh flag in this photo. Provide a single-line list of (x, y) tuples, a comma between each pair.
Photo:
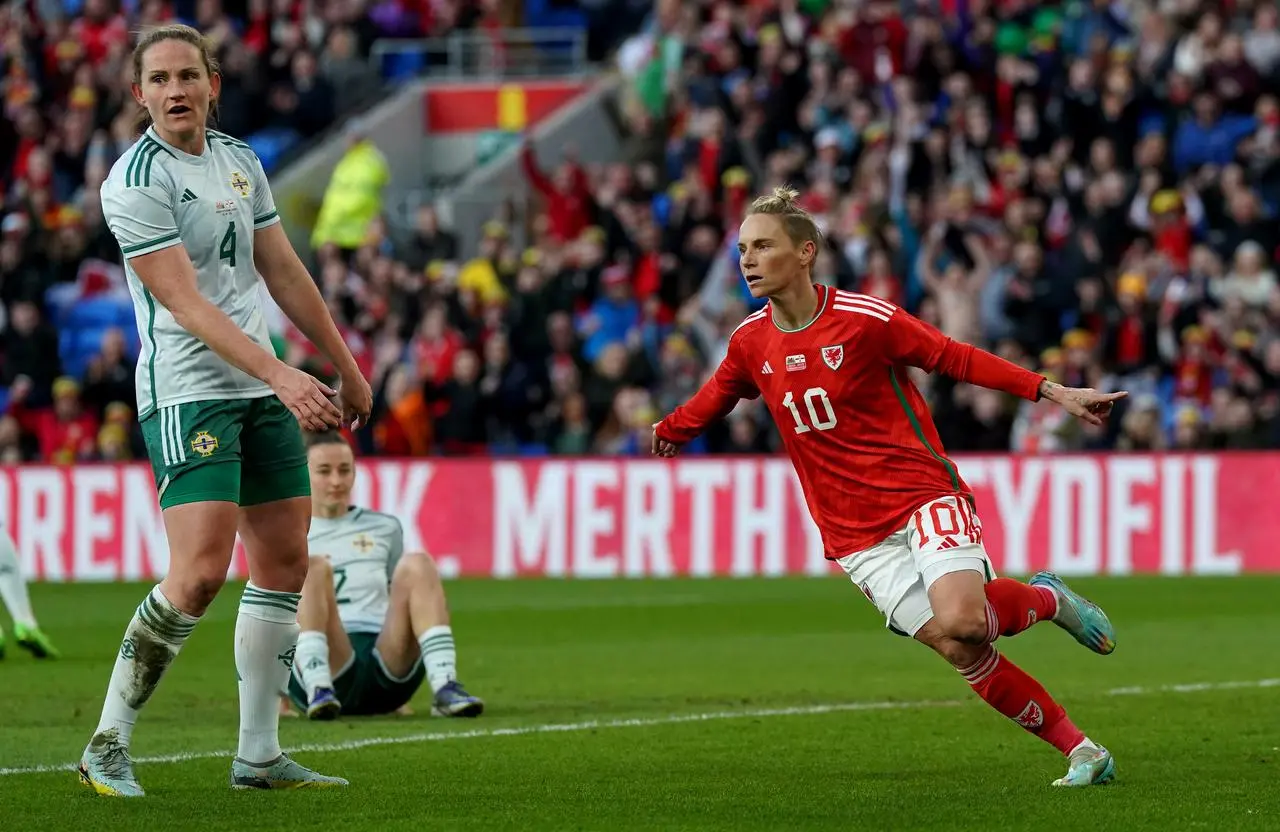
[(654, 77)]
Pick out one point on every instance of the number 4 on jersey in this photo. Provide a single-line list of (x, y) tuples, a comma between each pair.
[(227, 248), (812, 397)]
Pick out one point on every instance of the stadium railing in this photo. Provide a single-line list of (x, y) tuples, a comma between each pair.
[(507, 53)]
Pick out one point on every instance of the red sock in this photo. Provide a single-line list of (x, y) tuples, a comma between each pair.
[(1013, 606), (1007, 688)]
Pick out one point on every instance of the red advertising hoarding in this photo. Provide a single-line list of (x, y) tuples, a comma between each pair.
[(1117, 514)]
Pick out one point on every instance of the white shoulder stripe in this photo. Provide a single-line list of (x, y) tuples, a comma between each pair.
[(854, 297), (754, 316), (861, 310)]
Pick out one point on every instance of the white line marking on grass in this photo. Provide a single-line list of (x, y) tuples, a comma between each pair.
[(592, 725), (1196, 687)]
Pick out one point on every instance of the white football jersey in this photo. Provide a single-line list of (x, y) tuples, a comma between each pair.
[(157, 196), (364, 547)]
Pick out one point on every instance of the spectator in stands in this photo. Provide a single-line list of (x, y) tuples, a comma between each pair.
[(305, 102), (461, 409), (30, 354), (12, 451), (1083, 191), (614, 318), (65, 432), (430, 242), (110, 374), (113, 444), (567, 194), (349, 75), (353, 198)]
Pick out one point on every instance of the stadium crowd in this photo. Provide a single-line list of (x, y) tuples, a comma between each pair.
[(1087, 188)]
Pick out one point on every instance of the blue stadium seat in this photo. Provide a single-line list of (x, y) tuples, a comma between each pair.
[(4, 399), (58, 298), (78, 347), (105, 311), (403, 66), (533, 449), (271, 145), (539, 14), (81, 325)]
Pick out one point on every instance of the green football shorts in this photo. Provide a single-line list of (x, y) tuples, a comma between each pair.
[(364, 686), (243, 451)]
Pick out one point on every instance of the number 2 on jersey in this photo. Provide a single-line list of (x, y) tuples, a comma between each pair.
[(339, 579), (812, 397), (227, 248)]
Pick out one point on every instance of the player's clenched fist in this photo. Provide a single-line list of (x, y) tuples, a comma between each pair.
[(356, 400), (662, 447)]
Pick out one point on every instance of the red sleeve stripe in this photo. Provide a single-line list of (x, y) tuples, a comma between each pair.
[(873, 311), (853, 297)]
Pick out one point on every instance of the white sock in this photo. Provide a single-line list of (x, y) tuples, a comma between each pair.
[(439, 656), (154, 636), (1084, 743), (312, 662), (266, 634), (13, 587)]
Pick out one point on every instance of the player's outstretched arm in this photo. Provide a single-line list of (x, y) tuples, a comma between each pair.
[(1084, 403), (911, 341), (170, 277), (292, 287), (719, 395)]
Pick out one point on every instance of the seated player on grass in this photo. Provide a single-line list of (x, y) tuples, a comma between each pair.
[(374, 620)]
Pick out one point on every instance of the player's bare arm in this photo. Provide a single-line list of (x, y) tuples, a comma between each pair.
[(1084, 403), (170, 277), (292, 287)]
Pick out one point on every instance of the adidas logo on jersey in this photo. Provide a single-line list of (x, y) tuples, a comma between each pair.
[(187, 196), (766, 369)]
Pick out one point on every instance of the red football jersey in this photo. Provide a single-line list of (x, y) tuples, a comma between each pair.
[(857, 430)]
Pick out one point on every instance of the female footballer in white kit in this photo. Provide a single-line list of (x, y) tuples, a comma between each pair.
[(193, 213)]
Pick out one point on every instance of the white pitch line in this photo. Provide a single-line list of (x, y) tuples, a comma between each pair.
[(591, 725), (1196, 687)]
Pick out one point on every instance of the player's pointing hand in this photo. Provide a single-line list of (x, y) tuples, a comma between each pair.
[(1084, 403)]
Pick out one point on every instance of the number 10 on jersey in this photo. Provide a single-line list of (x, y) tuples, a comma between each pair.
[(822, 416)]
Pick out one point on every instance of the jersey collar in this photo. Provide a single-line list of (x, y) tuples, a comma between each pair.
[(824, 293), (178, 153)]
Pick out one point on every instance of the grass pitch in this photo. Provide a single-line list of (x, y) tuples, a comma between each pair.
[(672, 705)]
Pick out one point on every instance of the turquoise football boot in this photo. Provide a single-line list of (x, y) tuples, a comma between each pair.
[(1089, 766), (1085, 620)]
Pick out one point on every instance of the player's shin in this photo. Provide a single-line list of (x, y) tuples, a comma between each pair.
[(439, 656), (153, 638), (312, 661), (266, 635), (1011, 691), (1013, 606)]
